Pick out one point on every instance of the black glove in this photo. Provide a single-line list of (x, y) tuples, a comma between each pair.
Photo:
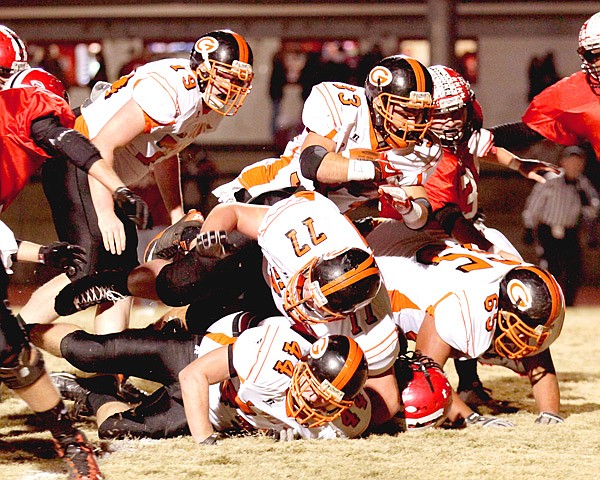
[(63, 255), (132, 205), (528, 238)]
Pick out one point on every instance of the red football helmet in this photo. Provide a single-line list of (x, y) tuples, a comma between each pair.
[(456, 113), (36, 77), (589, 50), (427, 394), (13, 54)]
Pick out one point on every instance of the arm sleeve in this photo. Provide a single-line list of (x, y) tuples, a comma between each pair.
[(514, 136), (54, 138)]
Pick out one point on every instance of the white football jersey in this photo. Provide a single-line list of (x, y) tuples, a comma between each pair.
[(167, 92), (337, 111), (264, 358), (457, 285), (305, 226)]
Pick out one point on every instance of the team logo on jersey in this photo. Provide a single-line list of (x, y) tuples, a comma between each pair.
[(319, 347), (518, 294), (206, 45), (380, 76)]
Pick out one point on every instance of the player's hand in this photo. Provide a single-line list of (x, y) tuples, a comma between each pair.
[(132, 205), (212, 439), (284, 435), (529, 168), (481, 421), (397, 198), (212, 243), (384, 170), (113, 232), (63, 255), (481, 143), (547, 418)]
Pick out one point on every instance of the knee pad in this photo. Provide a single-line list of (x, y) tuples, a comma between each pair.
[(25, 368)]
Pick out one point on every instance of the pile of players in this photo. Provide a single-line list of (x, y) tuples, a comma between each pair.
[(289, 317)]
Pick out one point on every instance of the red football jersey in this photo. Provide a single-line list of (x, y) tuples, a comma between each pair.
[(20, 157), (567, 112), (454, 181)]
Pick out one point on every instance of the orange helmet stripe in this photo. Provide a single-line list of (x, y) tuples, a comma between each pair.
[(556, 295), (419, 73), (242, 47), (355, 356), (365, 269)]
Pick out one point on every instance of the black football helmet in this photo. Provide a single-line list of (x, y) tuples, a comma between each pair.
[(589, 50), (13, 54), (330, 287), (456, 112), (326, 380), (399, 92), (531, 312), (223, 61)]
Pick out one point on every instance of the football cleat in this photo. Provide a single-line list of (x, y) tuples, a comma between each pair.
[(109, 286), (479, 396), (70, 389), (78, 452), (179, 237)]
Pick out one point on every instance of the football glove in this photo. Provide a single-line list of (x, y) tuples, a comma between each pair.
[(384, 170), (547, 418), (133, 206), (397, 198), (480, 420), (481, 143), (63, 255), (212, 244)]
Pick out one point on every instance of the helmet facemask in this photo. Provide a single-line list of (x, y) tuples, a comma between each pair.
[(589, 51), (402, 121), (311, 402), (224, 87), (450, 127), (306, 300), (591, 66), (517, 339)]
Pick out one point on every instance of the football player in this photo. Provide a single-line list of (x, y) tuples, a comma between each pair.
[(355, 139), (453, 188), (319, 270), (474, 302), (314, 388), (142, 121), (567, 112)]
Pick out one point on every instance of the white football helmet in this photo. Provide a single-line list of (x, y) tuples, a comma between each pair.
[(589, 50), (13, 54)]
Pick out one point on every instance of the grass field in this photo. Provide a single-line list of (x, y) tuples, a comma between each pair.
[(528, 451)]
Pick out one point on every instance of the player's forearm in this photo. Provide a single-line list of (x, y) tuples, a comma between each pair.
[(168, 179), (194, 390), (101, 198), (101, 171), (546, 393)]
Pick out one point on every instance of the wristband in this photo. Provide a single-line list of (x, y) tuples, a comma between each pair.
[(360, 170)]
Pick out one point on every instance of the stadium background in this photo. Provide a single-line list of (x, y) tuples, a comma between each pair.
[(504, 36)]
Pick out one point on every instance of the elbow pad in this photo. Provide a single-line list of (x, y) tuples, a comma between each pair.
[(55, 138), (514, 136), (310, 160)]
